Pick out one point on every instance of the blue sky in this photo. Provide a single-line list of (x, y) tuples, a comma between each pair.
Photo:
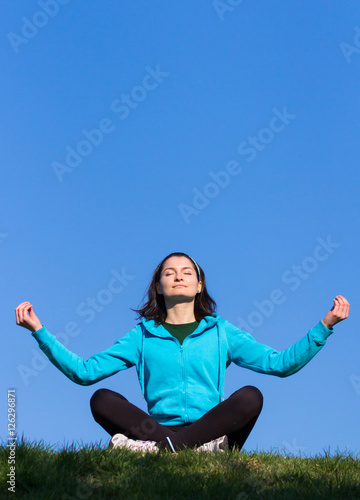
[(131, 130)]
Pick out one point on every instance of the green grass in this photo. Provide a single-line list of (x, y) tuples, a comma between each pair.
[(93, 472)]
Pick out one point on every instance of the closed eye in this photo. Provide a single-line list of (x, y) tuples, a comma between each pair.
[(169, 274)]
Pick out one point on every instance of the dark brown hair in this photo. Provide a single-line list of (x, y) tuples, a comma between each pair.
[(155, 307)]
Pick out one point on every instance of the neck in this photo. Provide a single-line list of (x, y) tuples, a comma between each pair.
[(179, 314)]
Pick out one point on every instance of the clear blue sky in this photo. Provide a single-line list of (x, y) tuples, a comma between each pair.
[(130, 130)]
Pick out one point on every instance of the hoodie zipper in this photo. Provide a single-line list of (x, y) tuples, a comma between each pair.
[(183, 382), (183, 407), (185, 417)]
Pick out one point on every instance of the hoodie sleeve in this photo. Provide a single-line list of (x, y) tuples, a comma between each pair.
[(123, 354), (246, 352)]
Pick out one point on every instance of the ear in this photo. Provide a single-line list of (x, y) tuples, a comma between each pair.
[(157, 285), (199, 286)]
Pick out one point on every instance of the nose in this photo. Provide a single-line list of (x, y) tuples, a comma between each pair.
[(178, 276)]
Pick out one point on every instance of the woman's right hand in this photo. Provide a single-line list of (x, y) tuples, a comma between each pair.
[(29, 321)]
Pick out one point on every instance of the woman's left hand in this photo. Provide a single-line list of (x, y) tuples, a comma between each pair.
[(338, 312)]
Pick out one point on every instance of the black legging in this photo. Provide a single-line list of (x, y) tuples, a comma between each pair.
[(235, 417)]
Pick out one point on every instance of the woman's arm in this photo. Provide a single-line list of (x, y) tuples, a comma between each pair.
[(246, 352), (123, 354)]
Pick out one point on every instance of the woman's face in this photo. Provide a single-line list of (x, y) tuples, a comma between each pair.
[(178, 279)]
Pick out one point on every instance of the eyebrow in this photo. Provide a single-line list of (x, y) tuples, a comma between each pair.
[(186, 267)]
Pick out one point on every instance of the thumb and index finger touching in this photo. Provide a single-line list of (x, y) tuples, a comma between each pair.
[(341, 303), (26, 317)]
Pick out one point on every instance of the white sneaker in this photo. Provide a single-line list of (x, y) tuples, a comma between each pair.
[(136, 444), (220, 444), (121, 441), (118, 440)]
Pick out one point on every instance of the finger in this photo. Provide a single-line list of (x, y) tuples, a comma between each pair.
[(338, 304), (344, 306), (23, 312), (17, 311), (343, 300), (22, 304), (20, 313), (342, 310), (339, 300), (28, 310), (17, 315), (337, 309)]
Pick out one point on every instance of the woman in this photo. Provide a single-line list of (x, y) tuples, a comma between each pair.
[(181, 350)]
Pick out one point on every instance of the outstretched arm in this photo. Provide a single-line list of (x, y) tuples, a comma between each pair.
[(123, 354), (245, 351)]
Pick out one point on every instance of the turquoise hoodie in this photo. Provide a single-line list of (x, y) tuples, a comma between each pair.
[(180, 383)]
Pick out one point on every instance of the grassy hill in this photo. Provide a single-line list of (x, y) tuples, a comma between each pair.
[(93, 472)]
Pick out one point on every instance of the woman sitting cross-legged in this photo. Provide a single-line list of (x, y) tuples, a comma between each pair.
[(181, 349)]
